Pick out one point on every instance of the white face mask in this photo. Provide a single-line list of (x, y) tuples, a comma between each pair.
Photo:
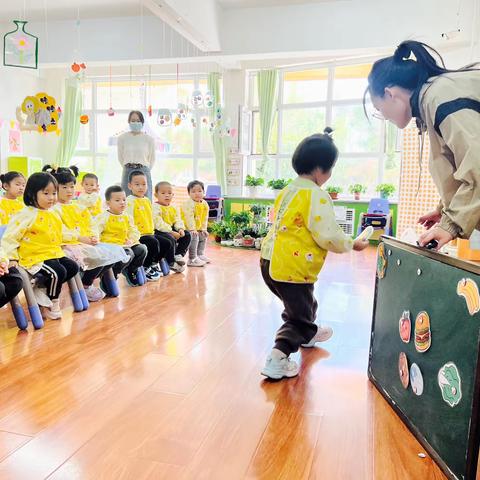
[(136, 126)]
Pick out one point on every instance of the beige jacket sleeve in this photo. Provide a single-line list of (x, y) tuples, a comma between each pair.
[(323, 226), (15, 231), (188, 210), (160, 224), (460, 131)]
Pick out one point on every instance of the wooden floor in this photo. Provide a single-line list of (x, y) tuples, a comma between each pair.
[(163, 383)]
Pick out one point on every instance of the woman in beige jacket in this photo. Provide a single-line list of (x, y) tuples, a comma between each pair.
[(445, 104)]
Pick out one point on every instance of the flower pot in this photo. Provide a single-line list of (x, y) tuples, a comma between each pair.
[(333, 195), (384, 195), (248, 242), (237, 242), (218, 239), (357, 196), (252, 192)]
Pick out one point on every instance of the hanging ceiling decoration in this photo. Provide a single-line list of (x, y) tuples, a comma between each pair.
[(20, 48)]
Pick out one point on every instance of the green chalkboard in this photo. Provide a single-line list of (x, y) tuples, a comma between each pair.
[(418, 281)]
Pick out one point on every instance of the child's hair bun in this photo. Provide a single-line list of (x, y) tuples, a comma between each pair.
[(48, 169), (74, 170), (328, 131)]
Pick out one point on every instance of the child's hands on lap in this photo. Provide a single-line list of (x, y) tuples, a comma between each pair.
[(13, 264), (360, 244), (181, 232), (175, 235), (3, 268)]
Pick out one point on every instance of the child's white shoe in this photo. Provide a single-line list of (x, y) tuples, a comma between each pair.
[(41, 297), (323, 334), (180, 259), (196, 262), (177, 268), (94, 294), (205, 259), (54, 312), (278, 365)]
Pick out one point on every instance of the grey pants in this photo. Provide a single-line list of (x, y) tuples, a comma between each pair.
[(197, 246), (127, 169)]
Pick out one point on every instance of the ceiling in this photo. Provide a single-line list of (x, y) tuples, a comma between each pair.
[(266, 3)]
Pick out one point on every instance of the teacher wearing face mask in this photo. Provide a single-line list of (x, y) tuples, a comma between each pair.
[(136, 151)]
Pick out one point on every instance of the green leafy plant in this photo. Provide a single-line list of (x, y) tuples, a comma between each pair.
[(278, 184), (241, 219), (258, 209), (333, 189), (262, 230), (251, 181), (386, 190), (225, 229), (357, 188)]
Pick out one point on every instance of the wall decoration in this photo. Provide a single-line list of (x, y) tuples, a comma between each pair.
[(468, 289), (164, 117), (39, 113), (403, 369), (20, 48), (450, 384), (14, 141), (416, 379), (405, 326), (423, 335), (77, 68)]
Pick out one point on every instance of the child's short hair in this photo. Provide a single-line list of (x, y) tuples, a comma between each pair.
[(135, 173), (194, 183), (89, 175), (8, 177), (162, 184), (112, 189), (36, 183), (63, 175), (315, 151)]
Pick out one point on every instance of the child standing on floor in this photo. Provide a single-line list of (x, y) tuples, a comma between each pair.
[(90, 197), (10, 281), (34, 237), (115, 226), (11, 203), (195, 215), (139, 207), (81, 244), (294, 251), (169, 227)]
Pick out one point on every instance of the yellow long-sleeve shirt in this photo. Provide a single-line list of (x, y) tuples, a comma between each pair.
[(76, 220), (167, 218), (140, 209), (34, 236), (304, 230), (92, 201), (8, 208), (116, 229), (195, 214)]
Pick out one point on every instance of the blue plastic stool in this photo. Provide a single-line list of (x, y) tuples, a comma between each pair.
[(164, 267)]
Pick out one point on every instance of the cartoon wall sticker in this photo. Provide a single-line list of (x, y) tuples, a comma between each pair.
[(381, 261), (423, 335), (416, 379), (405, 326), (403, 369), (39, 113), (468, 289), (450, 384)]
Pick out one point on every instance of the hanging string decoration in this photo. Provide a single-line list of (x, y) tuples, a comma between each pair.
[(20, 48), (111, 111)]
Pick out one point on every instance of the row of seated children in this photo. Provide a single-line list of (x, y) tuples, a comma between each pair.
[(53, 236)]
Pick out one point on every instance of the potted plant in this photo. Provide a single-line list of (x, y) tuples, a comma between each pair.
[(252, 183), (224, 231), (277, 185), (386, 190), (259, 213), (238, 240), (241, 219), (215, 230), (334, 191), (248, 241), (357, 189)]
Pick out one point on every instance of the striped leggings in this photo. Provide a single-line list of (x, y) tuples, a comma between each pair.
[(54, 273)]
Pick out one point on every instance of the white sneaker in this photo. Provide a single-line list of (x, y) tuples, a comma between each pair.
[(278, 365), (177, 268), (54, 312), (196, 262), (94, 294), (180, 259), (41, 297), (204, 259), (323, 334)]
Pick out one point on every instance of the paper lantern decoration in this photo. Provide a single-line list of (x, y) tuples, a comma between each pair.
[(20, 48), (233, 132), (164, 117), (149, 110), (111, 112), (76, 68), (84, 119), (41, 113), (209, 100), (205, 120), (197, 99), (177, 121)]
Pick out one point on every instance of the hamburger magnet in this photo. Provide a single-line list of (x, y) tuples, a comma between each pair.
[(423, 336)]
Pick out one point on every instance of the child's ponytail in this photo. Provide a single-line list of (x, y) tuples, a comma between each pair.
[(63, 175)]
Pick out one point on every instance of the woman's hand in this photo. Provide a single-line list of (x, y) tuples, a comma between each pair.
[(439, 234), (430, 219), (360, 244)]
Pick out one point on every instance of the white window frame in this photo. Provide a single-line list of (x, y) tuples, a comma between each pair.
[(93, 153)]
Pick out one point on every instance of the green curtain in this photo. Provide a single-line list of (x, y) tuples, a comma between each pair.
[(70, 122), (267, 81), (219, 142)]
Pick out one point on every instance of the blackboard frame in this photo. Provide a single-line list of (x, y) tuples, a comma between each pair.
[(474, 430)]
